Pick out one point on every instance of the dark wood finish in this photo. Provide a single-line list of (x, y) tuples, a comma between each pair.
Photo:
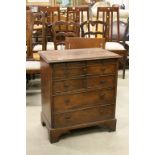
[(108, 18), (29, 29), (63, 29), (81, 83), (113, 30), (77, 42), (31, 33), (123, 60), (82, 116), (71, 100), (30, 71), (73, 14), (52, 13), (46, 76), (39, 33), (31, 19)]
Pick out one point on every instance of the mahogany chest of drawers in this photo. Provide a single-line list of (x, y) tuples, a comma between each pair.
[(78, 90)]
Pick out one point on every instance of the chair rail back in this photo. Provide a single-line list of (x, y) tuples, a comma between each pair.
[(108, 18), (63, 29), (52, 14)]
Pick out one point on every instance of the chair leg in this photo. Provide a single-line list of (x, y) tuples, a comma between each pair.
[(27, 78), (124, 65)]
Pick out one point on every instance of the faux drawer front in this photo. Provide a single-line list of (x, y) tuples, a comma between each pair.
[(83, 83), (69, 85), (64, 103), (84, 116), (101, 69)]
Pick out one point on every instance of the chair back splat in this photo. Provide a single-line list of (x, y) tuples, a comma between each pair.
[(34, 36), (32, 66), (109, 15), (73, 14), (52, 14), (93, 29), (83, 13), (63, 29)]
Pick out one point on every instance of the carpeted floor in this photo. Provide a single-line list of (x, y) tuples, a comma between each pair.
[(92, 141)]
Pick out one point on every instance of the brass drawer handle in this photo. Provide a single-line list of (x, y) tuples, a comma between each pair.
[(67, 101)]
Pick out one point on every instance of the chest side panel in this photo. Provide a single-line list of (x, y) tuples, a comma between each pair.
[(46, 75)]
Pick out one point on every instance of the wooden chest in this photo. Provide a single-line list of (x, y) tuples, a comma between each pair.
[(78, 90)]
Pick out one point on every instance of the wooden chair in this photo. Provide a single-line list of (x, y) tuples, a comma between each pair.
[(32, 66), (38, 28), (107, 16), (38, 37), (63, 29), (110, 15), (52, 14), (77, 42), (40, 31)]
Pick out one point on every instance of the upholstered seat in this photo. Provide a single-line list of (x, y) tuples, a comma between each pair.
[(127, 42), (32, 65), (114, 46), (50, 46)]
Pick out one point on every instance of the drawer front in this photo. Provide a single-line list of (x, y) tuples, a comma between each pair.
[(69, 65), (75, 69), (101, 81), (83, 83), (101, 69), (84, 116), (68, 69), (65, 73), (64, 103), (69, 85), (103, 62)]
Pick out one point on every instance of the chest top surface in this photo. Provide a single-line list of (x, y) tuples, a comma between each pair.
[(70, 55)]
